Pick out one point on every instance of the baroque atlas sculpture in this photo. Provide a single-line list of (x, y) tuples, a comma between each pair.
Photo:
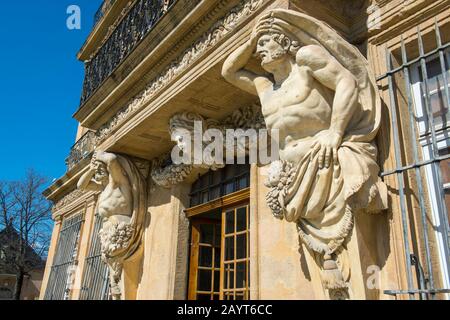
[(123, 206), (319, 92)]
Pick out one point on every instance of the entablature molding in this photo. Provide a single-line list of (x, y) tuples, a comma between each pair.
[(396, 17), (64, 185), (203, 54)]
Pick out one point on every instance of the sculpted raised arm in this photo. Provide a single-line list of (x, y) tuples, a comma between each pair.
[(115, 169), (87, 183), (234, 68)]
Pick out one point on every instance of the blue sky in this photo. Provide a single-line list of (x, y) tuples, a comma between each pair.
[(40, 84)]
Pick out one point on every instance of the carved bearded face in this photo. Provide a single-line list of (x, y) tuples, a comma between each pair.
[(101, 172), (272, 49)]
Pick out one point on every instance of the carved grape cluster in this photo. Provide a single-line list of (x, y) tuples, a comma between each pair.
[(281, 174), (115, 237)]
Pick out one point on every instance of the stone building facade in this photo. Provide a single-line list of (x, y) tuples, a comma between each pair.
[(131, 224)]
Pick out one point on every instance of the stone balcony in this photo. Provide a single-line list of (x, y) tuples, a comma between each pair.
[(125, 34)]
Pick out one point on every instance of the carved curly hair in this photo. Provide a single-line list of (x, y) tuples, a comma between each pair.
[(291, 46)]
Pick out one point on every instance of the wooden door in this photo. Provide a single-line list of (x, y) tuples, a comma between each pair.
[(204, 278)]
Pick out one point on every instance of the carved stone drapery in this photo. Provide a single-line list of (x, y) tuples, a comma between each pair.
[(323, 99)]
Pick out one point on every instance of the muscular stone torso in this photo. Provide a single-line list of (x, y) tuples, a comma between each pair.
[(115, 201), (300, 108)]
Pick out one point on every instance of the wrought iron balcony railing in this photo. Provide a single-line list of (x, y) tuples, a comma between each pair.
[(141, 18), (82, 149), (104, 7)]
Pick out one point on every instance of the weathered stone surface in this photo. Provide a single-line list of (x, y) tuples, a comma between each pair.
[(122, 204), (321, 96)]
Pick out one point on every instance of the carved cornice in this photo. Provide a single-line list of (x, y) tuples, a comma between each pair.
[(217, 32), (67, 200)]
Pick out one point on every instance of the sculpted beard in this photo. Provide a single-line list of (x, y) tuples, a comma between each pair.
[(277, 54), (285, 46)]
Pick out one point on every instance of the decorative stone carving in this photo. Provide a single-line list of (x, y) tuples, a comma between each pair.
[(166, 174), (68, 199), (209, 39), (322, 97), (122, 204)]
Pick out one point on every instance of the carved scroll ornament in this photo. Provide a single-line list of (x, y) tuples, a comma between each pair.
[(166, 174)]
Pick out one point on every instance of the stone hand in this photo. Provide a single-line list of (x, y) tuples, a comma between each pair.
[(94, 164), (262, 26), (327, 144)]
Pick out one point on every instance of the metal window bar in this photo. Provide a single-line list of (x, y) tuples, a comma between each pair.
[(96, 275), (58, 287), (197, 190), (425, 276)]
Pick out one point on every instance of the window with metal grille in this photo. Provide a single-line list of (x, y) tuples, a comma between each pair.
[(216, 184), (418, 102), (63, 270), (6, 294), (96, 275)]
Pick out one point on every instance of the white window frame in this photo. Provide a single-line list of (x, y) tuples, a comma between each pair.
[(425, 141)]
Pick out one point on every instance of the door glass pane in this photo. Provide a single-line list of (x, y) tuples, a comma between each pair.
[(206, 233), (205, 257), (241, 246), (214, 193), (229, 248), (241, 219), (217, 258), (204, 280), (217, 281), (217, 235), (229, 276), (241, 271), (229, 222)]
